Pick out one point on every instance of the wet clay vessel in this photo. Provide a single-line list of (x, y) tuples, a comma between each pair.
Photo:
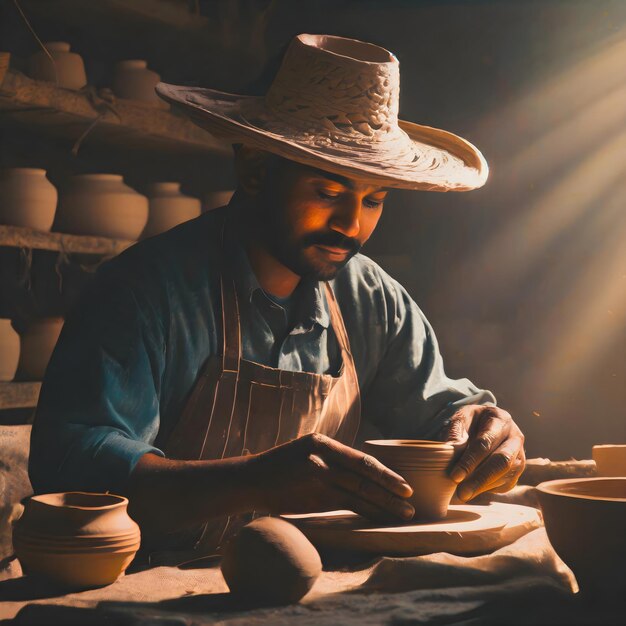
[(76, 540), (585, 520), (424, 465)]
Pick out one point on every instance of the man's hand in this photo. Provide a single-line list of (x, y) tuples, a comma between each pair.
[(491, 448), (316, 473)]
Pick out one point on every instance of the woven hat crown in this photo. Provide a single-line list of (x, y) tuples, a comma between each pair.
[(340, 85)]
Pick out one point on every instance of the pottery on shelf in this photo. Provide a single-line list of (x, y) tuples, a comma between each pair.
[(38, 342), (270, 561), (9, 350), (133, 80), (585, 520), (77, 540), (424, 465), (168, 207), (610, 459), (5, 60), (216, 199), (70, 69), (27, 198), (101, 205)]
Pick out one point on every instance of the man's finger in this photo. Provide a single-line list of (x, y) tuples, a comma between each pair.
[(503, 461), (338, 454), (491, 432), (364, 488)]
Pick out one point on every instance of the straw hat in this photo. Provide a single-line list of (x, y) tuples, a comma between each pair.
[(334, 105)]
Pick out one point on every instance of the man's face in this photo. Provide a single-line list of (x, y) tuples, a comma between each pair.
[(314, 221)]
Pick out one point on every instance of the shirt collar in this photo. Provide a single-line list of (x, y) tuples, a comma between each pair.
[(312, 307)]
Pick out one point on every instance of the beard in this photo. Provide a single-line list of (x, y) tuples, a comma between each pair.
[(300, 254)]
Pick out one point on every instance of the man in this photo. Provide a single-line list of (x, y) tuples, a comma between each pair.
[(231, 364)]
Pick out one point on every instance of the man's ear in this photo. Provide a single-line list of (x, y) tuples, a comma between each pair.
[(251, 168)]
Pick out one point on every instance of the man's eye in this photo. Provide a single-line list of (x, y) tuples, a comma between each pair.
[(373, 204), (327, 195)]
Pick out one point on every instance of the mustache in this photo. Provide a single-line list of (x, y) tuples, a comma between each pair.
[(334, 240)]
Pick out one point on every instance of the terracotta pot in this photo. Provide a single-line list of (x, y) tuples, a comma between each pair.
[(70, 69), (168, 208), (216, 199), (585, 520), (27, 198), (134, 81), (38, 342), (610, 459), (9, 350), (78, 540), (424, 465), (101, 205)]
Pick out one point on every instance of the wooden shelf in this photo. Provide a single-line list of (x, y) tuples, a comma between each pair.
[(18, 237), (19, 395), (67, 114)]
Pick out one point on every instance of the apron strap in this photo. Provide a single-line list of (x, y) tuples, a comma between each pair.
[(231, 323), (336, 319)]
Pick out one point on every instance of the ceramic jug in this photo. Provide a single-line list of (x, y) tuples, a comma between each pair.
[(27, 198), (216, 199), (70, 69), (9, 350), (168, 208), (101, 205)]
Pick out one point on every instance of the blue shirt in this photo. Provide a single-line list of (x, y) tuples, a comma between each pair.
[(131, 350)]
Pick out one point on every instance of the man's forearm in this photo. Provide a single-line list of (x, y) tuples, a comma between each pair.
[(166, 495)]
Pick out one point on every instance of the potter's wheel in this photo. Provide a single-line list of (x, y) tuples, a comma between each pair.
[(467, 530)]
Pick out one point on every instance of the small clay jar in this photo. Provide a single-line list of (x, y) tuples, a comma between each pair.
[(38, 342), (9, 350), (270, 562), (70, 69), (101, 205), (74, 539), (425, 466), (610, 459), (168, 208), (27, 198), (133, 80)]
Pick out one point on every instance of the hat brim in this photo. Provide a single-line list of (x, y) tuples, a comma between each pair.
[(440, 160)]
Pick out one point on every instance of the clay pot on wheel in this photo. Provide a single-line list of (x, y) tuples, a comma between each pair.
[(70, 69), (103, 206), (27, 198), (168, 208), (9, 350), (38, 343), (425, 467), (78, 540)]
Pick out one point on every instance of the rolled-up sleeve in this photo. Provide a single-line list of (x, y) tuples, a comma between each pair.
[(98, 411), (410, 395)]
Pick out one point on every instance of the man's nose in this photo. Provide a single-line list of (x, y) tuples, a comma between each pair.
[(346, 218)]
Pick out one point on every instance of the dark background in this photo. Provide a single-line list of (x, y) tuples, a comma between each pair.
[(524, 280)]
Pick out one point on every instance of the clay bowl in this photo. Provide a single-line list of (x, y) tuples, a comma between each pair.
[(610, 459), (424, 465), (77, 540), (585, 520)]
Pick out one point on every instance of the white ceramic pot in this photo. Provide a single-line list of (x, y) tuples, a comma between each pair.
[(134, 81), (27, 198), (216, 199), (70, 69), (101, 205), (168, 208), (9, 350), (38, 342)]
